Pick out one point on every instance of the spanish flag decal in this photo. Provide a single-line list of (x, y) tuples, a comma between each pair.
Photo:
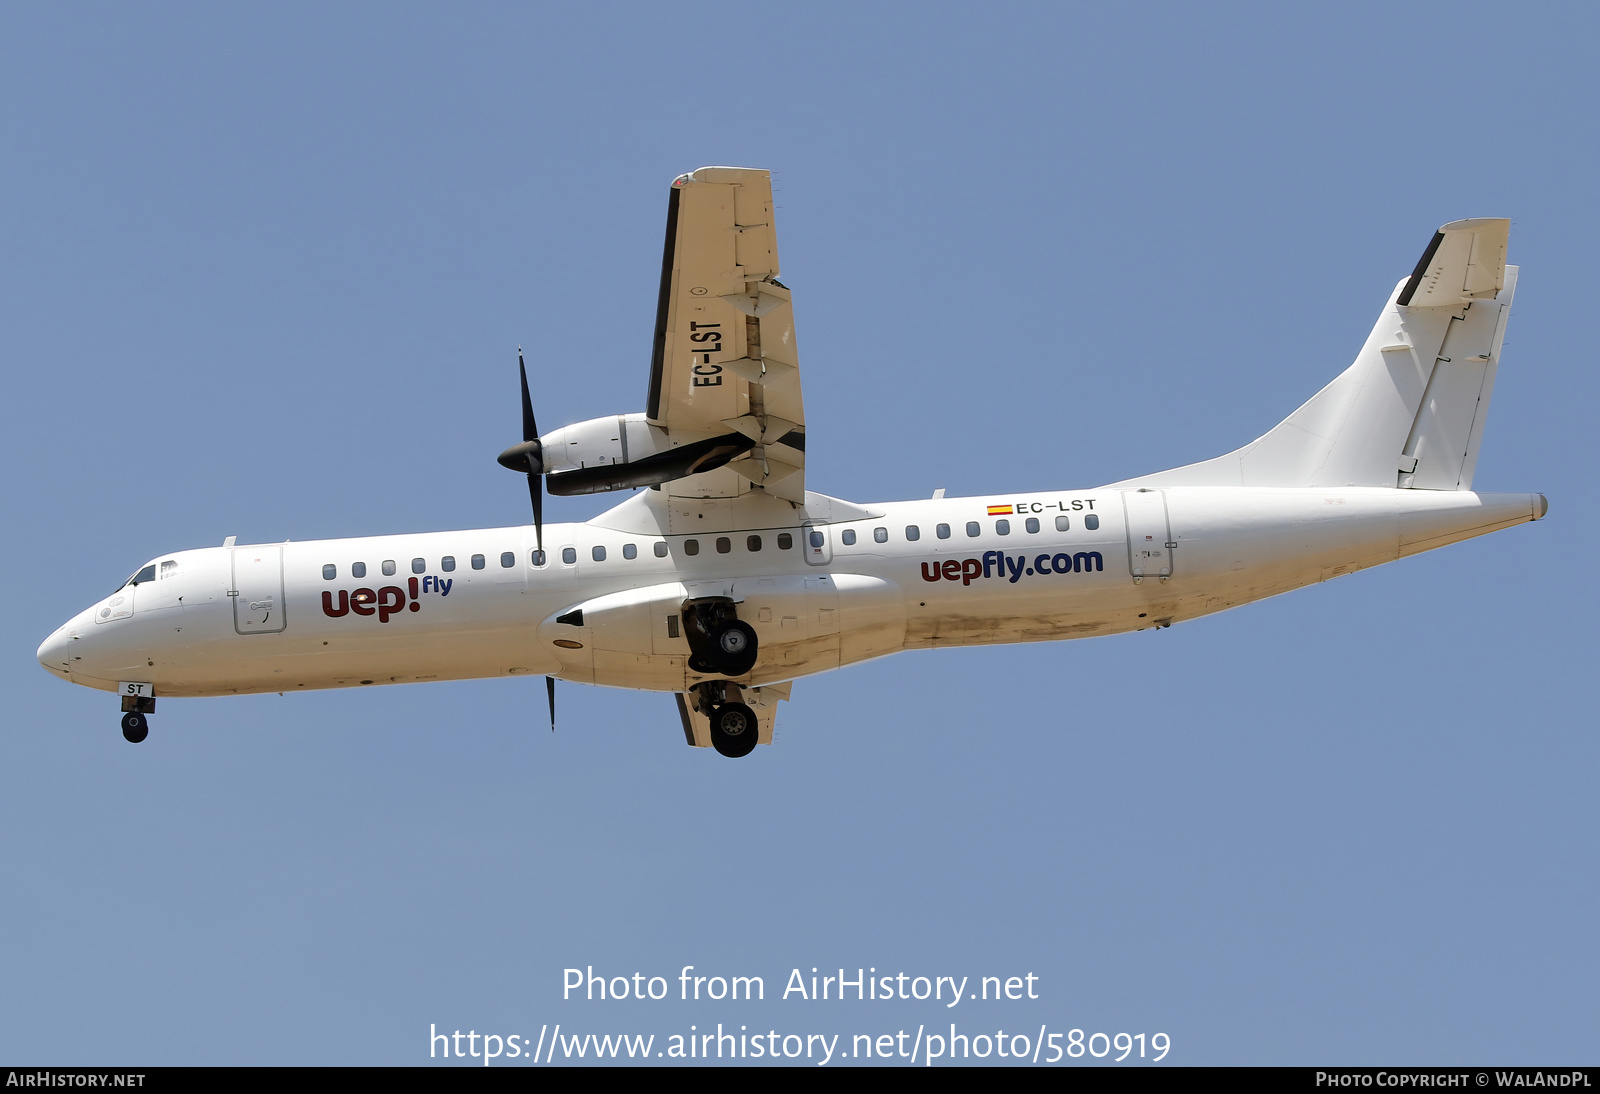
[(999, 510)]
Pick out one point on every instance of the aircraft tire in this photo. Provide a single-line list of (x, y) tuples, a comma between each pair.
[(734, 646), (734, 730), (135, 727)]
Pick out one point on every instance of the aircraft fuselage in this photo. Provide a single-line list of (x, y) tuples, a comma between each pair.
[(605, 605)]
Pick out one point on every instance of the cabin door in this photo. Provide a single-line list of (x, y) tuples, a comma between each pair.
[(257, 590), (1150, 542)]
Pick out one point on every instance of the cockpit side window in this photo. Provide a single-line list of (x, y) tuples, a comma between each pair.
[(146, 574), (169, 568)]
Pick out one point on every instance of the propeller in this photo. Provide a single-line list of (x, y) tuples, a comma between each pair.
[(529, 457)]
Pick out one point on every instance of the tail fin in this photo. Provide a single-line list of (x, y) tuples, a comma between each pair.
[(1410, 411)]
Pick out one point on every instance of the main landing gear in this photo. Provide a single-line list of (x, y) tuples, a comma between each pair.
[(136, 711), (719, 642), (734, 726)]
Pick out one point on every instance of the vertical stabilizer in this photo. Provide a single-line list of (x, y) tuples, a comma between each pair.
[(1409, 412)]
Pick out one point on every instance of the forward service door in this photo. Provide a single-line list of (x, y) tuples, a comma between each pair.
[(257, 590)]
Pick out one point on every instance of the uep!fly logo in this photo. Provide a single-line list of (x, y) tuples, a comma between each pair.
[(1012, 567), (387, 601)]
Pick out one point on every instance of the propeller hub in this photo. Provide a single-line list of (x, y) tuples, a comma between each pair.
[(516, 457)]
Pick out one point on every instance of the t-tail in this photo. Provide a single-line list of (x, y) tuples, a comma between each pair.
[(1409, 412)]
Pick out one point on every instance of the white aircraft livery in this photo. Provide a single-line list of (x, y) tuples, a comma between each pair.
[(721, 579)]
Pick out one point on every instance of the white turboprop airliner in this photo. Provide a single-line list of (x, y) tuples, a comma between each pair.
[(725, 579)]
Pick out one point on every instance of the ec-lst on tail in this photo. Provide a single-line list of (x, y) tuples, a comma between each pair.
[(722, 579)]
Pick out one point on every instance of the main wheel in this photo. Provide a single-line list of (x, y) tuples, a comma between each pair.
[(135, 727), (734, 730), (734, 645)]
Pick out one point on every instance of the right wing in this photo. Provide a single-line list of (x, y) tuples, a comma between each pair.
[(724, 357)]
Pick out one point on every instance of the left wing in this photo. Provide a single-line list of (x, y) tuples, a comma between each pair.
[(724, 358)]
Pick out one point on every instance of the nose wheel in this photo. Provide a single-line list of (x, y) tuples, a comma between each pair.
[(136, 711), (135, 727)]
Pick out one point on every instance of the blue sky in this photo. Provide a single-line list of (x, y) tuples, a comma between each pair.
[(264, 274)]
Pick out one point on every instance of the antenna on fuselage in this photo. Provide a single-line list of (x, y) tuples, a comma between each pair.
[(550, 687)]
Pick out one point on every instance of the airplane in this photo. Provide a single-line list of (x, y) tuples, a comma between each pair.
[(722, 579)]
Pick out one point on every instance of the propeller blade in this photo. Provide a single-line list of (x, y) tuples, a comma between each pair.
[(530, 454), (530, 430), (550, 686), (536, 494)]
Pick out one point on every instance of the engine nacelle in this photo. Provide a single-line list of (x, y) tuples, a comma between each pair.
[(622, 451), (614, 439)]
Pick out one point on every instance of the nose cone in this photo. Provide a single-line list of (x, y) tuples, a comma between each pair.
[(54, 653)]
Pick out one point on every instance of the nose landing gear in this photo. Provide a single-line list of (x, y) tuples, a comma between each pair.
[(136, 711)]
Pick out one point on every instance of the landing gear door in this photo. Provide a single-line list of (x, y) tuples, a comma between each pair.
[(257, 590), (1150, 542), (816, 544)]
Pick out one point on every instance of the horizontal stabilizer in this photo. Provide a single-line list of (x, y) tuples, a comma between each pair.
[(1466, 261)]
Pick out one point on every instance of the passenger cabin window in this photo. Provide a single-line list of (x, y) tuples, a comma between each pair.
[(538, 558), (418, 565), (630, 551), (508, 559), (691, 546), (880, 535), (942, 531), (724, 545), (1003, 527), (785, 541), (358, 569), (661, 549), (388, 567), (752, 543), (447, 563), (1033, 524), (1063, 523), (972, 528), (569, 555), (598, 553), (848, 537), (1091, 522), (816, 539), (329, 572), (477, 562), (913, 533)]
